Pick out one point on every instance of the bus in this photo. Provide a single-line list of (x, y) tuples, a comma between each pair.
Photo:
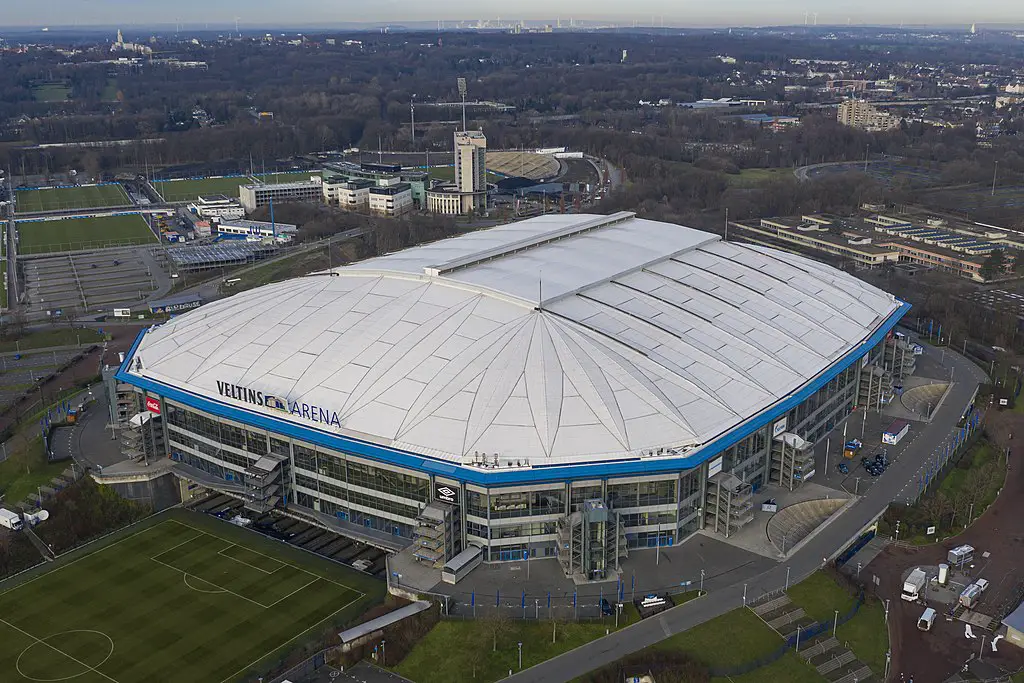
[(462, 564)]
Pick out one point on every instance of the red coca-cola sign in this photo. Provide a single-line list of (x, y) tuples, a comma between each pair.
[(153, 405)]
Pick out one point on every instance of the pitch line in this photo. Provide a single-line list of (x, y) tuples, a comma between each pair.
[(60, 652)]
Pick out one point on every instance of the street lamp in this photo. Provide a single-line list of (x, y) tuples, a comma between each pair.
[(702, 582), (383, 659), (520, 655), (896, 538), (618, 610), (787, 578)]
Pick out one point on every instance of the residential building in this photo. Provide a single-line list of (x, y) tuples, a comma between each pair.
[(864, 115)]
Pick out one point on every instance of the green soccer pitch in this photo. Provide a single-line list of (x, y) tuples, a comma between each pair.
[(65, 198), (190, 190), (75, 234), (187, 599)]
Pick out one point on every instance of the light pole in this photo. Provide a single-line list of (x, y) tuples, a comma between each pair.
[(886, 611), (744, 595), (982, 650), (888, 659), (897, 537), (383, 659), (702, 582), (828, 443), (520, 655), (835, 625), (787, 578), (618, 610)]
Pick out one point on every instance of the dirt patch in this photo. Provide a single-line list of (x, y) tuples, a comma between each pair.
[(999, 531)]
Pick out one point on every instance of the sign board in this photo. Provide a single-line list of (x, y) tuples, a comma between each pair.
[(779, 428), (446, 493), (931, 531), (176, 307), (122, 312), (1004, 401), (714, 467), (864, 361), (769, 506), (153, 405)]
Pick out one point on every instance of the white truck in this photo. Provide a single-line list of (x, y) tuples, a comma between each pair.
[(914, 585), (960, 556), (11, 520)]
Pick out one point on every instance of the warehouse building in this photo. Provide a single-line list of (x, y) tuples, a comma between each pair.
[(570, 386)]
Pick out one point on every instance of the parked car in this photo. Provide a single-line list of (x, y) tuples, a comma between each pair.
[(843, 468), (606, 607)]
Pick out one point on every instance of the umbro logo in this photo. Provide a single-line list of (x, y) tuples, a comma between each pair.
[(446, 493)]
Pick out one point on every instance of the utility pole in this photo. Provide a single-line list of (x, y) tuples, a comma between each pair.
[(995, 172), (727, 224)]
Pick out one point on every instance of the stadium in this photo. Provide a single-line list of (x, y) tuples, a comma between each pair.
[(571, 386)]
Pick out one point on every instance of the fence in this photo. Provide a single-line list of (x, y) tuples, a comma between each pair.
[(307, 667), (558, 605), (805, 635), (948, 455)]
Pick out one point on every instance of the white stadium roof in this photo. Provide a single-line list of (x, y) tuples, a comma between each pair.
[(558, 340)]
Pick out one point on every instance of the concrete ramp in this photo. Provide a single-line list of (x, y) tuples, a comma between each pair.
[(923, 400), (792, 524)]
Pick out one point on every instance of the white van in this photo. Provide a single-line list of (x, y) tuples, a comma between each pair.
[(926, 620)]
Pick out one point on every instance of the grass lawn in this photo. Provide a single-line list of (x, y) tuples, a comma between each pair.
[(55, 337), (184, 599), (749, 177), (866, 634), (188, 190), (82, 233), (51, 92), (23, 472), (81, 197), (680, 598), (475, 644), (732, 639), (789, 669)]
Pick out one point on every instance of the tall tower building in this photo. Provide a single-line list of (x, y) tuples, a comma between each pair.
[(470, 170)]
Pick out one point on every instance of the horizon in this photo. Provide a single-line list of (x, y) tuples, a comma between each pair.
[(251, 14)]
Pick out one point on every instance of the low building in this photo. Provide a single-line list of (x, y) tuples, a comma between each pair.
[(391, 200), (449, 201), (819, 233), (217, 206), (253, 197), (864, 115), (257, 229), (353, 195), (1014, 623), (382, 173)]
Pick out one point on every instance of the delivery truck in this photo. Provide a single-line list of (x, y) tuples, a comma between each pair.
[(913, 587), (961, 556), (10, 520), (896, 431), (852, 448)]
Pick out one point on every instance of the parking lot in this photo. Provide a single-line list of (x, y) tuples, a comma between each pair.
[(20, 372), (88, 282)]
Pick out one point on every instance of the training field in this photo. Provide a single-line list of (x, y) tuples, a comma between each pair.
[(189, 190), (188, 599), (71, 234), (58, 198)]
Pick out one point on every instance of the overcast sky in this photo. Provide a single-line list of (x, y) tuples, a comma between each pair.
[(216, 13)]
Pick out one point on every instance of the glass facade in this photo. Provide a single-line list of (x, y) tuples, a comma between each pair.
[(508, 521)]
